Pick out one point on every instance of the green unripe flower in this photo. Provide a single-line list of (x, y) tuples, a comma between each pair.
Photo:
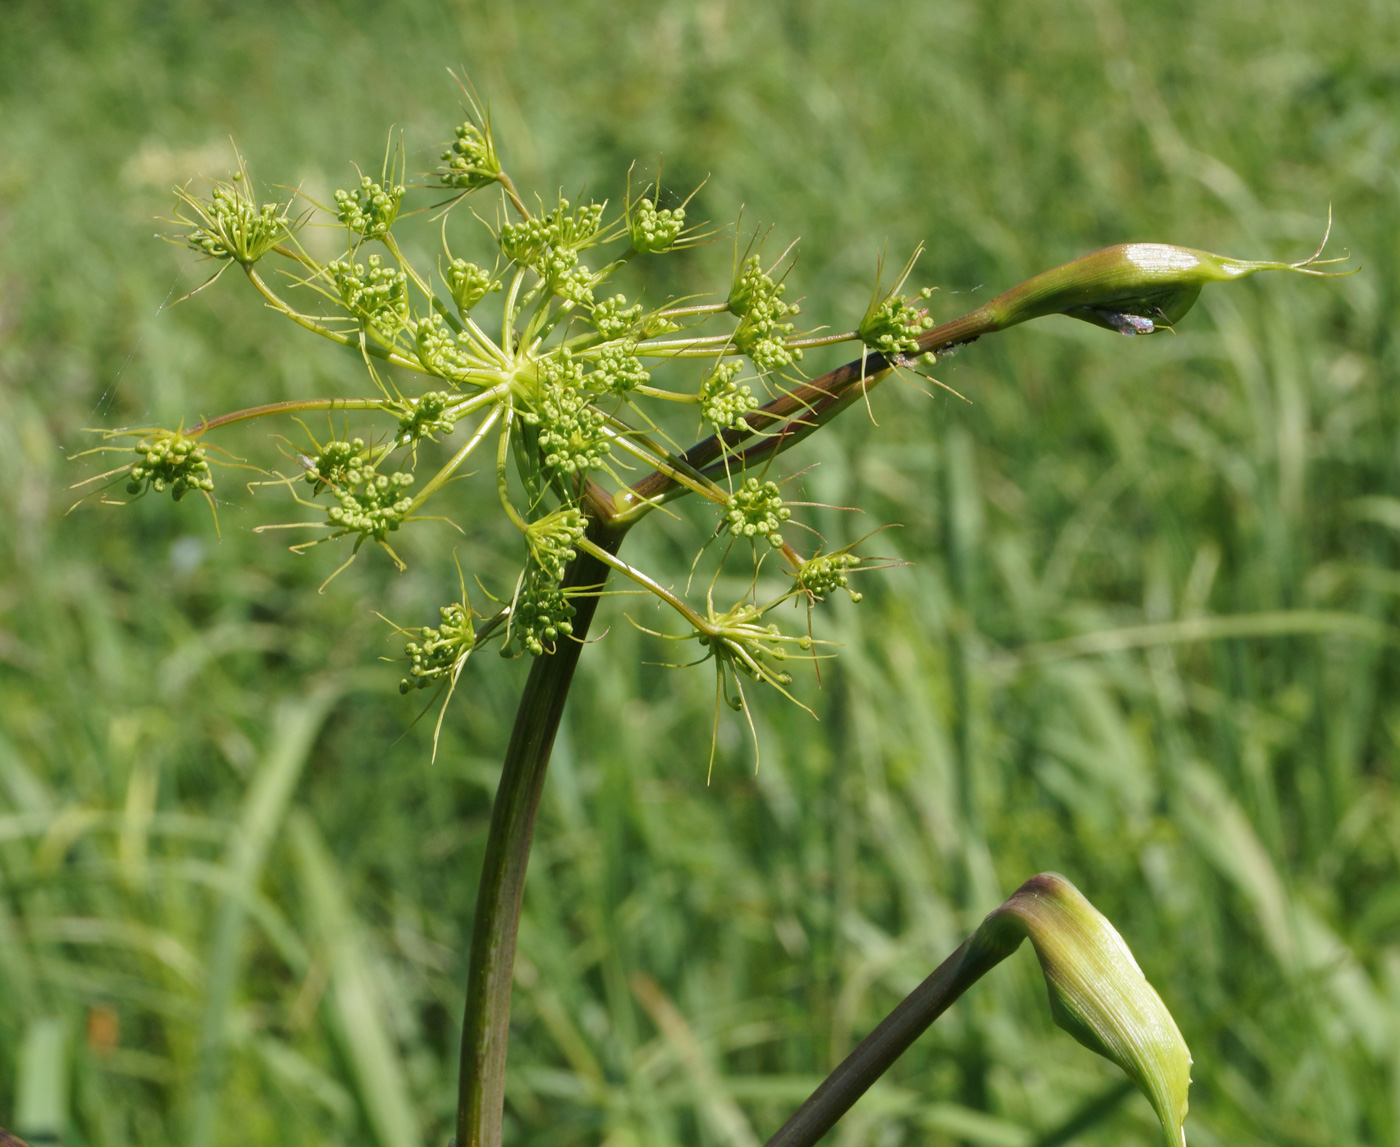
[(756, 510), (169, 461), (470, 161), (653, 231), (469, 284)]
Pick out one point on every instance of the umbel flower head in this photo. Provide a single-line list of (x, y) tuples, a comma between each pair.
[(531, 355), (230, 224)]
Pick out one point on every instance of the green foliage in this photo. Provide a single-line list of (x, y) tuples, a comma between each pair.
[(1063, 679)]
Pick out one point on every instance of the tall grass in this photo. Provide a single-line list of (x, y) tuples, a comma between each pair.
[(1146, 635)]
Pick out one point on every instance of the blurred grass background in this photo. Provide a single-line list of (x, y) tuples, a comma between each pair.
[(1146, 635)]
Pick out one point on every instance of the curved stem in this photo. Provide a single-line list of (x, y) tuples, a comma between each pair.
[(486, 1024), (649, 584), (515, 201), (877, 1051), (293, 406)]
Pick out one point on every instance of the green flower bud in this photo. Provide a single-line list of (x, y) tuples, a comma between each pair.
[(1133, 288), (616, 368), (374, 508), (653, 231), (340, 465), (1097, 991), (426, 417), (375, 295), (613, 317), (551, 540), (469, 284), (823, 575), (892, 325), (539, 615), (757, 299), (439, 652), (723, 402)]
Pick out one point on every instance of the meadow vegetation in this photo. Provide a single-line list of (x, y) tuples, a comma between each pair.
[(1141, 625)]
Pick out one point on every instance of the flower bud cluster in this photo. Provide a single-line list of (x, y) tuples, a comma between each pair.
[(375, 294), (469, 284), (426, 417), (471, 160), (439, 349), (438, 652), (568, 278), (552, 538), (571, 433), (893, 325), (370, 210), (823, 575), (757, 510), (232, 226), (617, 369), (758, 302), (373, 507), (565, 229), (575, 228), (340, 465), (613, 317), (723, 402), (653, 231), (540, 614), (169, 461), (572, 437)]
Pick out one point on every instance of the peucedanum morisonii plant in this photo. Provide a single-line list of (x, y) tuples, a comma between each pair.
[(544, 375)]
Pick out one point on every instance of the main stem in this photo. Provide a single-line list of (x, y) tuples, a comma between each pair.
[(486, 1025)]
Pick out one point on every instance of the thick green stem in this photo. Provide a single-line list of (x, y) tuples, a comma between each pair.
[(485, 1027)]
